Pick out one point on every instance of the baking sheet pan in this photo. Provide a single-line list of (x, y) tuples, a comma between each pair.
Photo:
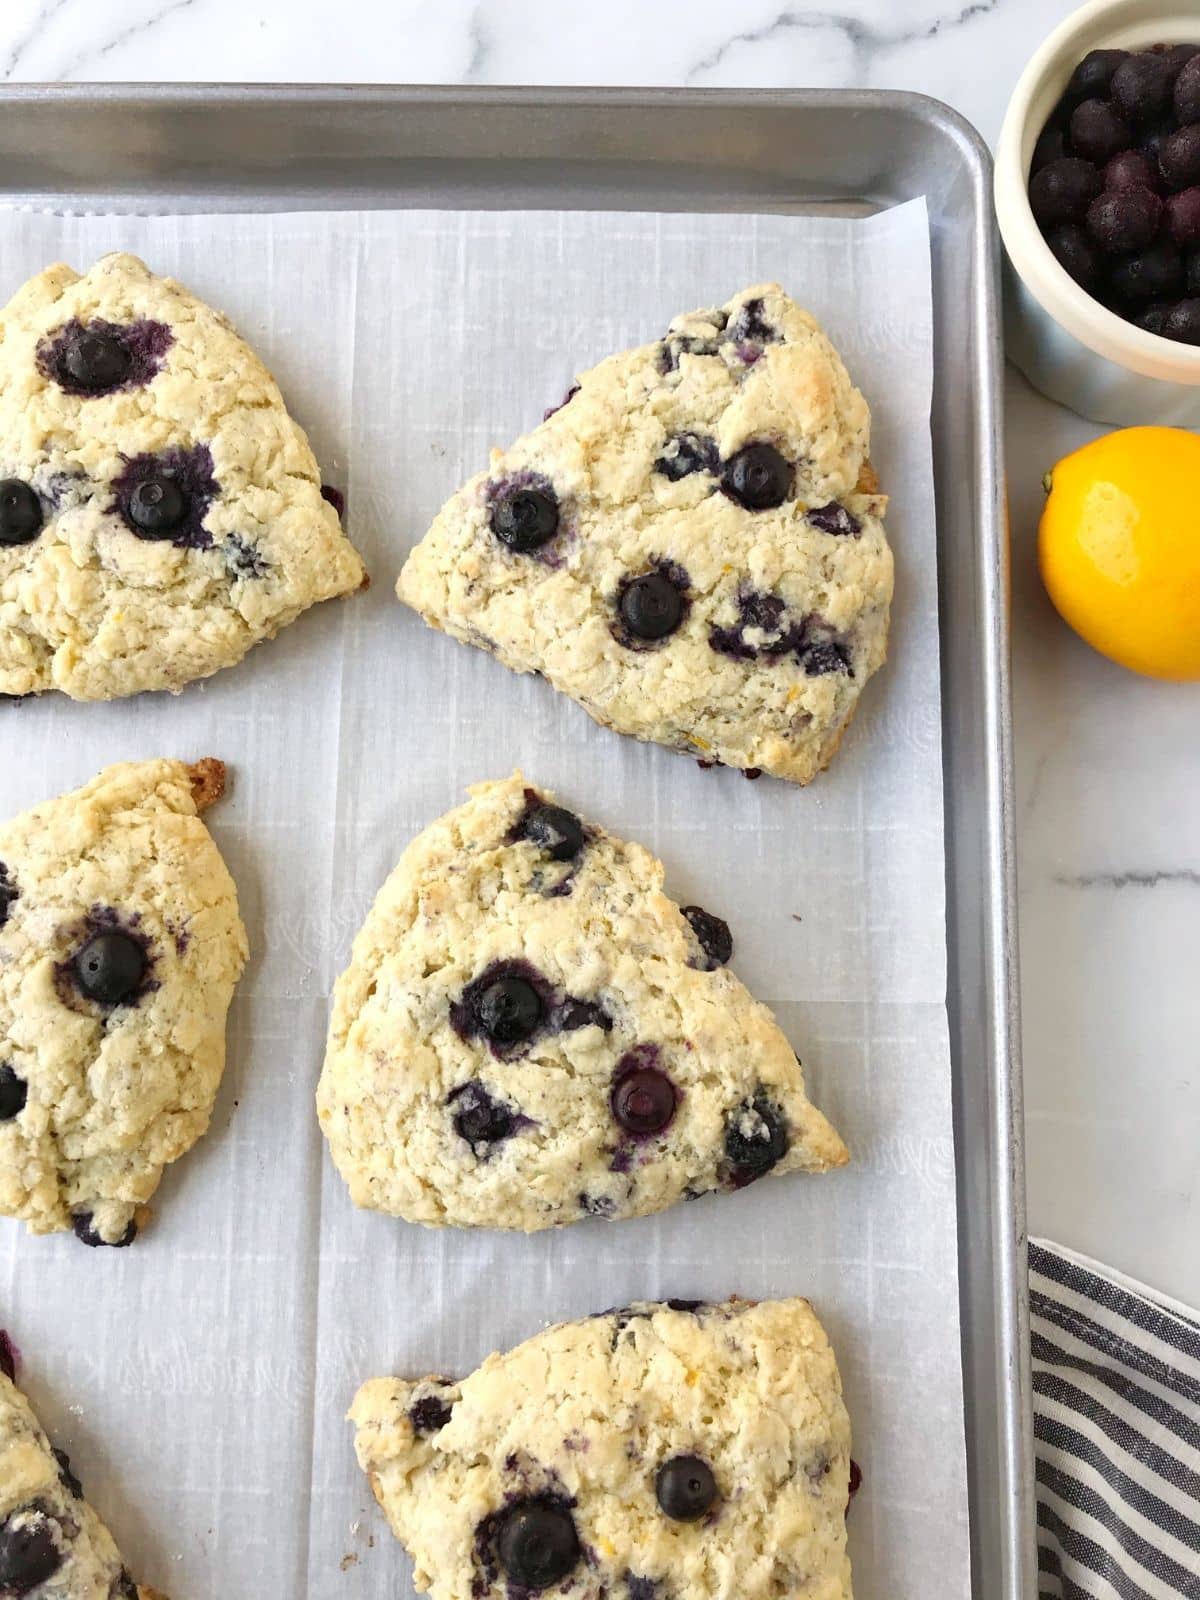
[(199, 150)]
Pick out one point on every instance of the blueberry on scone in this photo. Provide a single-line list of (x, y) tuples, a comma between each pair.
[(53, 1546), (530, 1033), (666, 1451), (691, 545), (120, 946), (160, 511)]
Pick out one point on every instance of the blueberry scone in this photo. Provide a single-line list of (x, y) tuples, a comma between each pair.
[(53, 1546), (671, 1451), (691, 546), (120, 946), (160, 512), (530, 1032)]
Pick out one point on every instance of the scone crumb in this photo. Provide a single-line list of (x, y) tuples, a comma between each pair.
[(208, 781)]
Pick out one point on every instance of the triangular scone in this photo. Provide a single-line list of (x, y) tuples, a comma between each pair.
[(658, 1452), (530, 1032), (160, 512), (53, 1546), (691, 546), (120, 945)]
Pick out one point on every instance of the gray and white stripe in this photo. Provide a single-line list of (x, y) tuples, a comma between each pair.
[(1116, 1400)]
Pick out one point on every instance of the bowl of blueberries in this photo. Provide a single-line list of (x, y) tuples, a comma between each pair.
[(1097, 195)]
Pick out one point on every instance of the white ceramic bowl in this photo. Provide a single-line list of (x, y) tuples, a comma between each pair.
[(1067, 344)]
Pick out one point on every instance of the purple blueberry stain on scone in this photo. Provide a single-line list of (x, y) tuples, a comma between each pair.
[(14, 1092), (834, 518), (242, 559), (756, 1139), (524, 515), (651, 605), (764, 631), (686, 453), (677, 345), (164, 497), (713, 936), (640, 1588), (99, 357), (66, 1476), (597, 1205), (111, 962), (10, 1356), (482, 1119), (750, 326)]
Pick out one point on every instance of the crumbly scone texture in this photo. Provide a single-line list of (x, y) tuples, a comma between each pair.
[(38, 1503), (112, 1094), (87, 606), (625, 986), (785, 620), (583, 1415)]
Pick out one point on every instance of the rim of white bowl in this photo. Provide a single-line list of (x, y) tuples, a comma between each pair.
[(1126, 23)]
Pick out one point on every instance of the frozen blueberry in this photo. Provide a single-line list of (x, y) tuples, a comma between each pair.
[(685, 1488), (1075, 250), (1051, 146), (643, 1098), (429, 1414), (1141, 87), (20, 512), (555, 830), (9, 893), (1094, 74), (1155, 273), (478, 1117), (1179, 157), (335, 498), (110, 967), (66, 1477), (1125, 220), (686, 453), (81, 1222), (1063, 191), (757, 477), (756, 1139), (524, 516), (508, 1010), (651, 606), (750, 326), (157, 506), (1098, 131), (536, 1543), (1131, 169), (1187, 93), (96, 360), (1152, 318), (834, 518), (1182, 322), (1193, 288), (1183, 217), (1177, 56), (29, 1552), (14, 1092), (819, 657), (713, 933), (1150, 141)]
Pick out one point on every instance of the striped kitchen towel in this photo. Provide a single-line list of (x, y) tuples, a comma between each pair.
[(1116, 1419)]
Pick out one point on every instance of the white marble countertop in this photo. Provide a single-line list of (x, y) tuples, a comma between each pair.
[(1108, 764)]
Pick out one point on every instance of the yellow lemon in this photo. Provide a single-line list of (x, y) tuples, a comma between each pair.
[(1119, 546)]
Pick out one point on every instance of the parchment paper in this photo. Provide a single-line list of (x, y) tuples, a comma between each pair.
[(199, 1380)]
